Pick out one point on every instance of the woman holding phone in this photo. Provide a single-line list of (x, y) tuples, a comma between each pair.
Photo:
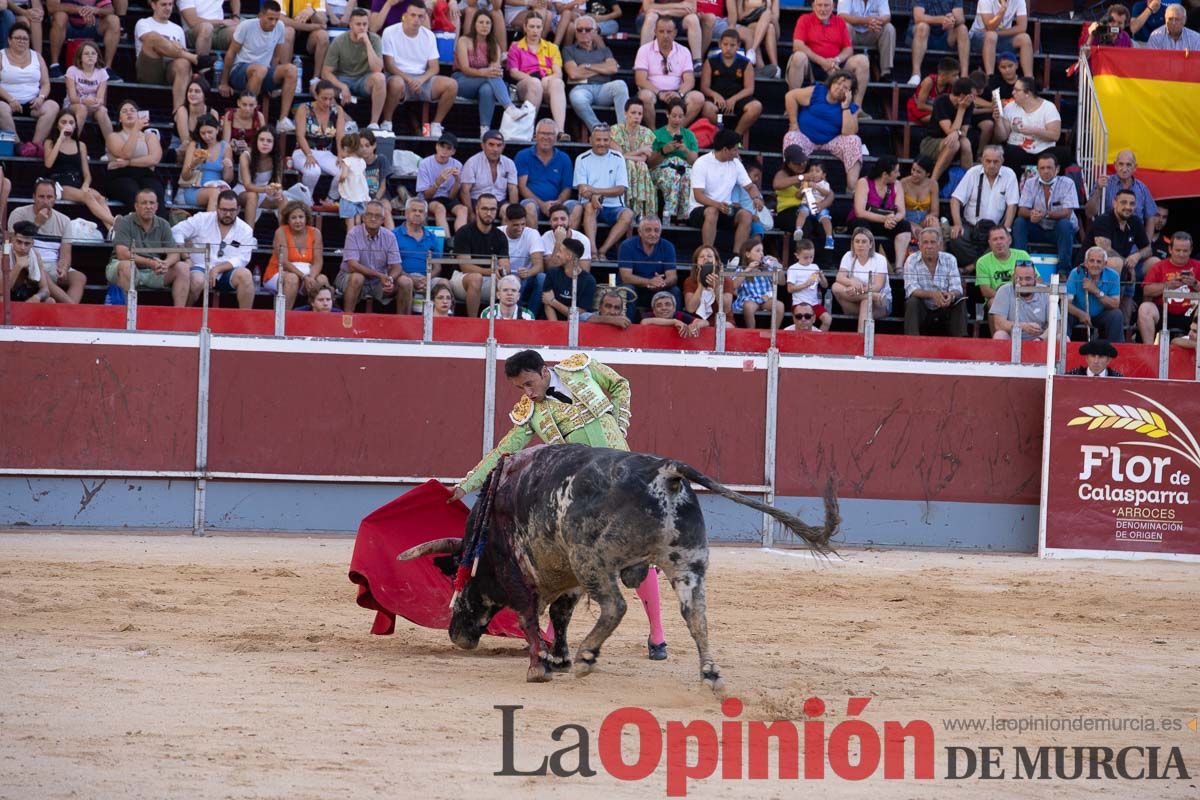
[(675, 148)]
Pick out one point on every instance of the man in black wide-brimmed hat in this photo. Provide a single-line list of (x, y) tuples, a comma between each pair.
[(1098, 352)]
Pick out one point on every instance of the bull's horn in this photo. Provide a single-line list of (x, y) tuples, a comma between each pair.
[(450, 545)]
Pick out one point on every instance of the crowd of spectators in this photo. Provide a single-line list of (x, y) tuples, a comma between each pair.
[(529, 229)]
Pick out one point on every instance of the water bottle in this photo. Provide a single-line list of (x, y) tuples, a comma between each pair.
[(218, 68), (720, 120), (299, 74), (170, 196), (257, 279)]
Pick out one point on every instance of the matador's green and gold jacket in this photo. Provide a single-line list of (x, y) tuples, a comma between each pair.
[(599, 417)]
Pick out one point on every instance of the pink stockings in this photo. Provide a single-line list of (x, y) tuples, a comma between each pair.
[(647, 592)]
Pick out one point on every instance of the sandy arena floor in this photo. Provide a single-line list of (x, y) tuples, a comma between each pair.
[(178, 667)]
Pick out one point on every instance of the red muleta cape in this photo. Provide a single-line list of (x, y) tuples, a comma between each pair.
[(416, 590)]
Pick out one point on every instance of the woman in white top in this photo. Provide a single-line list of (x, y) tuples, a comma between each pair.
[(863, 269), (1030, 125), (260, 177), (25, 89)]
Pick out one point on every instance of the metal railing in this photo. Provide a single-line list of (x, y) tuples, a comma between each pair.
[(1091, 133)]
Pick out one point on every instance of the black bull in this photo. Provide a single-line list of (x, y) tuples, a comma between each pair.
[(568, 519)]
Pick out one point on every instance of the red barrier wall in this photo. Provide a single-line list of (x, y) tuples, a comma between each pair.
[(84, 406), (910, 437), (326, 414), (1136, 360)]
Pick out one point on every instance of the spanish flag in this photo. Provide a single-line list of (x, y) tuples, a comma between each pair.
[(1150, 100)]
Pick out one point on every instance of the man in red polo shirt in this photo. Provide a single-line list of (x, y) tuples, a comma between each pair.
[(821, 44), (1177, 271)]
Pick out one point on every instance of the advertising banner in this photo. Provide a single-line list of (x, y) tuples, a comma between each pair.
[(1124, 469)]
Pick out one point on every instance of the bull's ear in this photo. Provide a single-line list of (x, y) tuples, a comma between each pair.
[(451, 545)]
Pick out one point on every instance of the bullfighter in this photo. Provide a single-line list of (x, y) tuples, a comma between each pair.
[(578, 401)]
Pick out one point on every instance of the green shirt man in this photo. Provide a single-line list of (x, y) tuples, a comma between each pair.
[(994, 268), (577, 401)]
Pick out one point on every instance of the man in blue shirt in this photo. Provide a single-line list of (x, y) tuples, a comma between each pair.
[(601, 177), (415, 245), (544, 174), (646, 264), (1095, 292), (1147, 18)]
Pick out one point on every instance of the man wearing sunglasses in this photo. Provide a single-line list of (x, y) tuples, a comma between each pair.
[(231, 243), (806, 319), (591, 72)]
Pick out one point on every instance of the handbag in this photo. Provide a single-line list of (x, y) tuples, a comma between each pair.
[(752, 17), (516, 124)]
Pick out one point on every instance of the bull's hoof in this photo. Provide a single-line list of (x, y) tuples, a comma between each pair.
[(537, 673), (586, 664), (712, 677), (557, 663), (657, 652)]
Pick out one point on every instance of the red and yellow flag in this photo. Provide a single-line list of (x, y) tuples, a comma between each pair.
[(1150, 100)]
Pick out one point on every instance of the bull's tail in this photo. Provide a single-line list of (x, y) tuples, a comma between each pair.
[(816, 538)]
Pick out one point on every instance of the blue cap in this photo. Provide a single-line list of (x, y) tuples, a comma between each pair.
[(1007, 55)]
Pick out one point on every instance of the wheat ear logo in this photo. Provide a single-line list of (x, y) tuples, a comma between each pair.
[(1143, 421)]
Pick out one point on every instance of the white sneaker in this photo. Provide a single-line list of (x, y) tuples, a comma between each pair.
[(387, 126), (435, 130), (312, 84), (750, 56), (374, 126), (482, 130), (285, 125), (915, 80)]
